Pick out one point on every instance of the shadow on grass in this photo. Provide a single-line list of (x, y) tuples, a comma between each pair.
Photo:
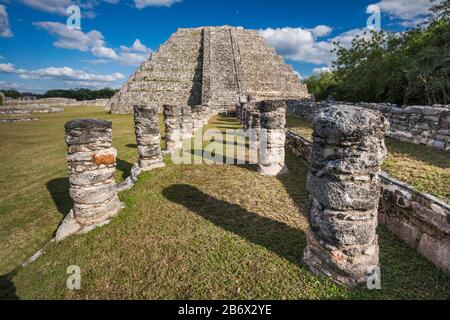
[(132, 145), (124, 167), (59, 191), (7, 287), (429, 155), (295, 181), (285, 241)]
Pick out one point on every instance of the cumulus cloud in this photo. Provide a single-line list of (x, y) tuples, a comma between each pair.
[(140, 4), (61, 73), (321, 70), (60, 6), (321, 31), (94, 42), (409, 12), (302, 45), (5, 30)]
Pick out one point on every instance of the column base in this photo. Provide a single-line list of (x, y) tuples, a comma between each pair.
[(272, 170), (350, 266), (70, 226)]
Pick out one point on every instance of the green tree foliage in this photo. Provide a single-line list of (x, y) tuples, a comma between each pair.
[(412, 67), (81, 94), (78, 94), (321, 85), (11, 93)]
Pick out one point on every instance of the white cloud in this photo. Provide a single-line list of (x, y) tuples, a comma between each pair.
[(409, 12), (60, 6), (60, 73), (137, 46), (317, 71), (140, 4), (94, 42), (8, 85), (5, 30), (321, 31), (301, 44), (51, 6)]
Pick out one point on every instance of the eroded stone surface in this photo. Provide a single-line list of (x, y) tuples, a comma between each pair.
[(91, 162), (271, 137), (343, 183), (148, 137)]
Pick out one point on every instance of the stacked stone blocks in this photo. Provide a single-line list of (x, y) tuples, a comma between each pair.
[(344, 187), (91, 162), (148, 137)]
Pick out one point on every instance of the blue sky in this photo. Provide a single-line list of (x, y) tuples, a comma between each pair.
[(38, 52)]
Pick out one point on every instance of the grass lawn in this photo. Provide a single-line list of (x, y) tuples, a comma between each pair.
[(426, 169), (188, 231)]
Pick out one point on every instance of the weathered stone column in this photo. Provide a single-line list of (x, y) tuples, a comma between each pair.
[(148, 137), (198, 117), (344, 188), (187, 126), (91, 166), (172, 121), (272, 138)]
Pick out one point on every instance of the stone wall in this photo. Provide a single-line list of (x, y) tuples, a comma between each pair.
[(427, 125), (419, 219)]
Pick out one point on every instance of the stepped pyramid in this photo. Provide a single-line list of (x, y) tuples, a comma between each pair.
[(217, 66)]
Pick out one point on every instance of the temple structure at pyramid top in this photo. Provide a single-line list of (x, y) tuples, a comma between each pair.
[(217, 66)]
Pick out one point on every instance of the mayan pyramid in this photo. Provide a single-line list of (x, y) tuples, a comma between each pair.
[(217, 66)]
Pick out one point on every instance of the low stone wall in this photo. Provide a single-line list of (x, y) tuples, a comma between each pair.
[(419, 219), (428, 125), (29, 109), (15, 120)]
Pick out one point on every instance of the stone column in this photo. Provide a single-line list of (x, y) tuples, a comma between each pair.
[(198, 117), (148, 137), (187, 127), (172, 121), (272, 138), (344, 188), (91, 162)]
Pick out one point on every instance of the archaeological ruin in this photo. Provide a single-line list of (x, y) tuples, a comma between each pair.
[(215, 66), (199, 73)]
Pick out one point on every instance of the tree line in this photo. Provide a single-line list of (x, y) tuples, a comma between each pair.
[(411, 67), (78, 94)]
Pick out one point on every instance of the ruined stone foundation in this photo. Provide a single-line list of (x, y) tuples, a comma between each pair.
[(344, 188)]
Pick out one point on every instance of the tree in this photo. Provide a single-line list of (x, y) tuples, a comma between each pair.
[(321, 85)]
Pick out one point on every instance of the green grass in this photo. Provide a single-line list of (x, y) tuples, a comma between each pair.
[(188, 231), (426, 169)]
